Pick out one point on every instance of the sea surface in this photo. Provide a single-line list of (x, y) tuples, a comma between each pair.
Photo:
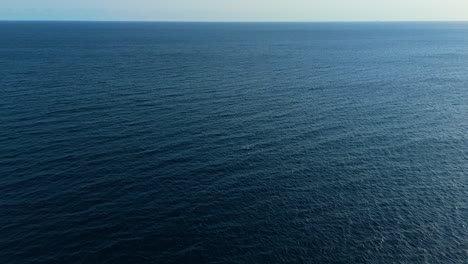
[(233, 142)]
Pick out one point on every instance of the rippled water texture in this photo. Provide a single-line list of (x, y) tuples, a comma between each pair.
[(233, 143)]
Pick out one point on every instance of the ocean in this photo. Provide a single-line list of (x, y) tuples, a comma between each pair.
[(129, 142)]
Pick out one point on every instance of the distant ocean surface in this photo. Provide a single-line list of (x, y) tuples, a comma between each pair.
[(233, 142)]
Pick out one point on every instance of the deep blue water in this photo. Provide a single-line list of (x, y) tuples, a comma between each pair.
[(233, 143)]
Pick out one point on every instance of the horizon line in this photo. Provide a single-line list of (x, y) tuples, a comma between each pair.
[(238, 21)]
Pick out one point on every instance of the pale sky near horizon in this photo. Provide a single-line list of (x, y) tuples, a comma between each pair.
[(236, 10)]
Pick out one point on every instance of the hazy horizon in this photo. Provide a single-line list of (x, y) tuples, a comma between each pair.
[(237, 21), (240, 11)]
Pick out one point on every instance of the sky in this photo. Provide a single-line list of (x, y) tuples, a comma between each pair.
[(235, 10)]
